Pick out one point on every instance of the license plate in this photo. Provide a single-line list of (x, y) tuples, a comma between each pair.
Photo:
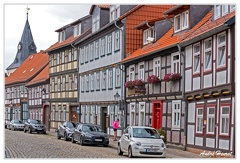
[(151, 150), (98, 139)]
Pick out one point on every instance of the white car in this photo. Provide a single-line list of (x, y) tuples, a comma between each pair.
[(141, 141)]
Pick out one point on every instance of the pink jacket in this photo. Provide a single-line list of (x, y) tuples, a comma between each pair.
[(115, 124)]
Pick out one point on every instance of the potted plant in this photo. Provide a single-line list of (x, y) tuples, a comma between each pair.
[(153, 79), (172, 77), (137, 82), (129, 84)]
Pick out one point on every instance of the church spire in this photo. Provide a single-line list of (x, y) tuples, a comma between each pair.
[(25, 47)]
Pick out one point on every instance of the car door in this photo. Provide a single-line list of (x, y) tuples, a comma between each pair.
[(62, 128), (77, 132), (125, 139)]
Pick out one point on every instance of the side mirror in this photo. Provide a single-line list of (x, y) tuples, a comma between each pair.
[(126, 135)]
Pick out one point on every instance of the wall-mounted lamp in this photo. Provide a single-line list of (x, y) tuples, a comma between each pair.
[(197, 96), (189, 97), (215, 93), (225, 91), (206, 94)]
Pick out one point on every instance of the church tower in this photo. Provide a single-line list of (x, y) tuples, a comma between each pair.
[(25, 48)]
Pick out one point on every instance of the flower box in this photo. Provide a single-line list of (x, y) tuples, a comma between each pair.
[(172, 77)]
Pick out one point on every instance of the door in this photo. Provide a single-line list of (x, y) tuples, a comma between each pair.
[(157, 114), (47, 115), (104, 124), (74, 115)]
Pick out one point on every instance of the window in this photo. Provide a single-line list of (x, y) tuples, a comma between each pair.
[(141, 120), (59, 84), (82, 83), (132, 114), (181, 21), (112, 114), (92, 82), (52, 60), (97, 49), (175, 67), (63, 83), (53, 85), (70, 83), (199, 120), (224, 9), (224, 120), (86, 53), (217, 11), (221, 54), (110, 78), (232, 7), (196, 62), (97, 80), (77, 30), (210, 120), (58, 58), (104, 78), (53, 112), (157, 67), (59, 112), (109, 44), (114, 12), (176, 114), (131, 72), (82, 55), (75, 82), (118, 77), (207, 54), (141, 71), (64, 112), (63, 57), (70, 55), (148, 33), (95, 23), (102, 46), (61, 36), (91, 54), (117, 41), (75, 54), (87, 83)]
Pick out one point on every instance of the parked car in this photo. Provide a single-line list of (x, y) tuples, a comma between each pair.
[(16, 125), (141, 141), (7, 121), (65, 130), (32, 125), (92, 134)]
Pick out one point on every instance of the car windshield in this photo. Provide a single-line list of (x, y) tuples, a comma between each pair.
[(145, 133), (18, 122), (71, 125), (91, 128), (35, 121)]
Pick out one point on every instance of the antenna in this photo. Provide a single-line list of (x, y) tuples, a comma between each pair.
[(27, 10)]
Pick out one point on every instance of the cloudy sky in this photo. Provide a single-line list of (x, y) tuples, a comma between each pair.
[(44, 19)]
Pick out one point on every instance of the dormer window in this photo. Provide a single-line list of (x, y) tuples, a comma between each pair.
[(149, 35), (61, 36), (181, 21), (221, 10), (95, 23), (77, 30), (114, 12)]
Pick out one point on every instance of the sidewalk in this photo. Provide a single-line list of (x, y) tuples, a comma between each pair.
[(172, 152)]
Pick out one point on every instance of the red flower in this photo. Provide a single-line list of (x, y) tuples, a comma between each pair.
[(153, 79), (172, 77), (129, 84)]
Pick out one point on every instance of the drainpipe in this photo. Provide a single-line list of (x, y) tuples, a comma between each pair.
[(182, 54), (123, 96), (78, 83)]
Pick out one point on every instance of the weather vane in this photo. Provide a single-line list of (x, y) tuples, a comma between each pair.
[(27, 9)]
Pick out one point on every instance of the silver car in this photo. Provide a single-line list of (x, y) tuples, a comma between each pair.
[(16, 125), (141, 141)]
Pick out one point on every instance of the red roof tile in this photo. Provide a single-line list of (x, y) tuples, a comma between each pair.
[(167, 41), (28, 69), (41, 77)]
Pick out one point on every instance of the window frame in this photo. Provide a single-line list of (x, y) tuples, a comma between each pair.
[(102, 47), (117, 77), (97, 49), (176, 121), (157, 67), (201, 117), (197, 54), (104, 80), (110, 79), (131, 73), (109, 44), (117, 40), (82, 83), (98, 81), (141, 71), (53, 85), (142, 119), (213, 116), (132, 122), (175, 61), (224, 105), (225, 51), (210, 49)]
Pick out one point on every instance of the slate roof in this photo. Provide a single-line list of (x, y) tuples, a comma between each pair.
[(41, 77), (169, 40), (28, 69), (102, 6), (26, 48)]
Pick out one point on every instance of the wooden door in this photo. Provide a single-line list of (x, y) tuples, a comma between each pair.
[(157, 114), (47, 116)]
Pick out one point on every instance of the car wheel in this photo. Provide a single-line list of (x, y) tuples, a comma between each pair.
[(119, 151), (81, 141), (58, 135), (29, 130), (130, 152), (65, 136), (12, 128), (73, 141), (44, 132), (106, 145)]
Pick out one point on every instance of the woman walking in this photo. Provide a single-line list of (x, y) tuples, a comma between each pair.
[(115, 127)]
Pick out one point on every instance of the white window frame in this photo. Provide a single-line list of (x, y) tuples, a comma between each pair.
[(232, 8), (70, 55), (177, 21), (61, 36), (97, 49), (224, 117), (63, 83), (196, 58), (207, 55), (132, 114), (102, 46), (109, 44), (96, 23), (118, 77), (59, 84), (53, 112), (117, 40), (64, 112), (87, 82), (82, 55), (224, 10), (91, 51), (75, 82), (83, 83), (112, 114), (110, 78), (141, 71), (97, 80), (63, 57), (199, 120), (92, 81), (75, 55), (210, 120), (132, 72), (185, 20), (70, 83), (217, 11), (59, 112), (58, 58), (220, 46), (157, 67), (141, 117), (175, 63), (86, 53), (176, 114), (150, 32), (104, 79)]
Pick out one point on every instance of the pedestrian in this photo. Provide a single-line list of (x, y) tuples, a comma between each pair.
[(115, 127)]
